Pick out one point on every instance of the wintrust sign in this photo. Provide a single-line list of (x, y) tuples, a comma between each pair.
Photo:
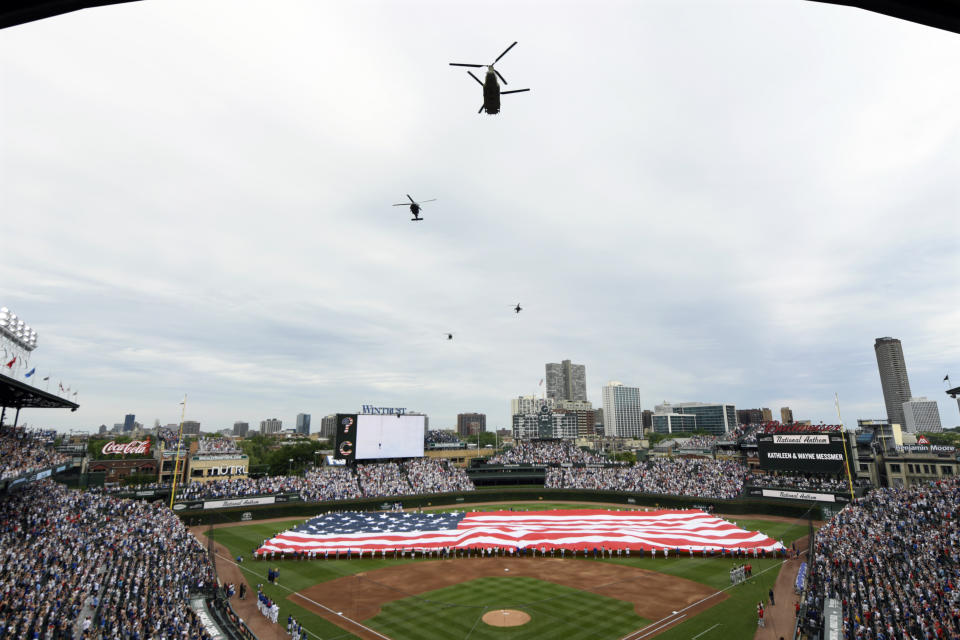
[(136, 447)]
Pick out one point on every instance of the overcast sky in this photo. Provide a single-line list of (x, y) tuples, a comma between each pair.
[(711, 201)]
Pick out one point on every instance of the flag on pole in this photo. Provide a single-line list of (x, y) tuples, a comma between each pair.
[(560, 529), (947, 377), (540, 383), (10, 364), (60, 384), (31, 372)]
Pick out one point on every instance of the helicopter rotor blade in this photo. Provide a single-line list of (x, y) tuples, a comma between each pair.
[(463, 64), (475, 78), (514, 91), (411, 199), (502, 79), (480, 110), (430, 200), (504, 52), (402, 204)]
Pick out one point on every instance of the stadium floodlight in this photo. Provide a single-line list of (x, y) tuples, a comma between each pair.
[(17, 331)]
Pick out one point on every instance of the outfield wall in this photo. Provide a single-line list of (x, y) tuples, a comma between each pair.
[(195, 511)]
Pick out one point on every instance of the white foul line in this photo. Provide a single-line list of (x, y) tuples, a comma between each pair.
[(703, 632), (646, 631), (336, 613)]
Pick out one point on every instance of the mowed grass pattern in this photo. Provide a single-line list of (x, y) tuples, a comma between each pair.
[(555, 611), (735, 616)]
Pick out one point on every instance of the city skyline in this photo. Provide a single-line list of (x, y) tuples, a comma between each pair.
[(215, 219)]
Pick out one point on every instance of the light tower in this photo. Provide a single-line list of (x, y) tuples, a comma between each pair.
[(17, 339)]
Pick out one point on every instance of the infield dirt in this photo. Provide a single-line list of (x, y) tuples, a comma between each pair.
[(653, 595)]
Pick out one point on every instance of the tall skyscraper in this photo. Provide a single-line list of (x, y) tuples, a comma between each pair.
[(303, 423), (893, 378), (271, 425), (622, 415), (128, 422), (766, 415), (786, 415), (921, 415), (241, 429), (566, 381), (470, 424), (328, 425), (191, 427)]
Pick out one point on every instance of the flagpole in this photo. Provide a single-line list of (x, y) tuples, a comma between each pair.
[(846, 456), (176, 462)]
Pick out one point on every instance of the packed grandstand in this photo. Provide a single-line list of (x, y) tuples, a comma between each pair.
[(126, 568)]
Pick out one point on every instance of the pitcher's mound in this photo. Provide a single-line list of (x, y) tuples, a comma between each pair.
[(506, 618)]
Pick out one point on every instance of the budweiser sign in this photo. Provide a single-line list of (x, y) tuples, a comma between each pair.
[(137, 447)]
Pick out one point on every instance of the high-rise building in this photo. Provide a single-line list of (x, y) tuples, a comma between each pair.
[(128, 422), (786, 415), (647, 418), (622, 414), (328, 425), (751, 416), (471, 424), (566, 381), (766, 414), (673, 422), (522, 405), (191, 427), (893, 377), (303, 423), (271, 425), (241, 429), (921, 416), (716, 418)]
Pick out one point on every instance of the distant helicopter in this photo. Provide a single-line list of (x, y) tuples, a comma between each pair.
[(449, 336), (491, 88), (414, 207), (518, 308)]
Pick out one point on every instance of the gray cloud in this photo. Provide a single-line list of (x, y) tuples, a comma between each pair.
[(711, 201)]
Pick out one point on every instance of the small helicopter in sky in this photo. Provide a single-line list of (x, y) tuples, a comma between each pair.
[(449, 336), (414, 207), (518, 308), (491, 88)]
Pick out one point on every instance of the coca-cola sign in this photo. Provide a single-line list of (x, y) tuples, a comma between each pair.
[(136, 447)]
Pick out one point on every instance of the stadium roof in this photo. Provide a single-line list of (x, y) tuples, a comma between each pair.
[(953, 393), (20, 11), (20, 395), (941, 14)]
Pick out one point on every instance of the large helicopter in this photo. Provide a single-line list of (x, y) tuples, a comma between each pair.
[(491, 88), (414, 207)]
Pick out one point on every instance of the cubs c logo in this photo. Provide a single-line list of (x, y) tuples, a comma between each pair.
[(346, 448)]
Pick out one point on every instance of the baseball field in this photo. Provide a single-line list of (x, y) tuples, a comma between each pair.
[(506, 597)]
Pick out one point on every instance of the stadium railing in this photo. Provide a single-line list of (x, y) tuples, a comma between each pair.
[(743, 505)]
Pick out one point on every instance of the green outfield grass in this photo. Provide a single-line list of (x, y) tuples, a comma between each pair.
[(463, 605), (555, 611)]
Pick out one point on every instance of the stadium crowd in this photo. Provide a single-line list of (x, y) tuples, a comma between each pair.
[(217, 445), (546, 452), (26, 451), (382, 479), (803, 482), (440, 437), (427, 475), (78, 564), (893, 559), (697, 477)]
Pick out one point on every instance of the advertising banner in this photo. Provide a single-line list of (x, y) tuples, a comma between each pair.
[(238, 502), (809, 452), (346, 441)]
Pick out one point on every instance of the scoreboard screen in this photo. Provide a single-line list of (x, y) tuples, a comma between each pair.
[(801, 452)]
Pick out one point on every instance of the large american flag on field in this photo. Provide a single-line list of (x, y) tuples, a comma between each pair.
[(567, 529)]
